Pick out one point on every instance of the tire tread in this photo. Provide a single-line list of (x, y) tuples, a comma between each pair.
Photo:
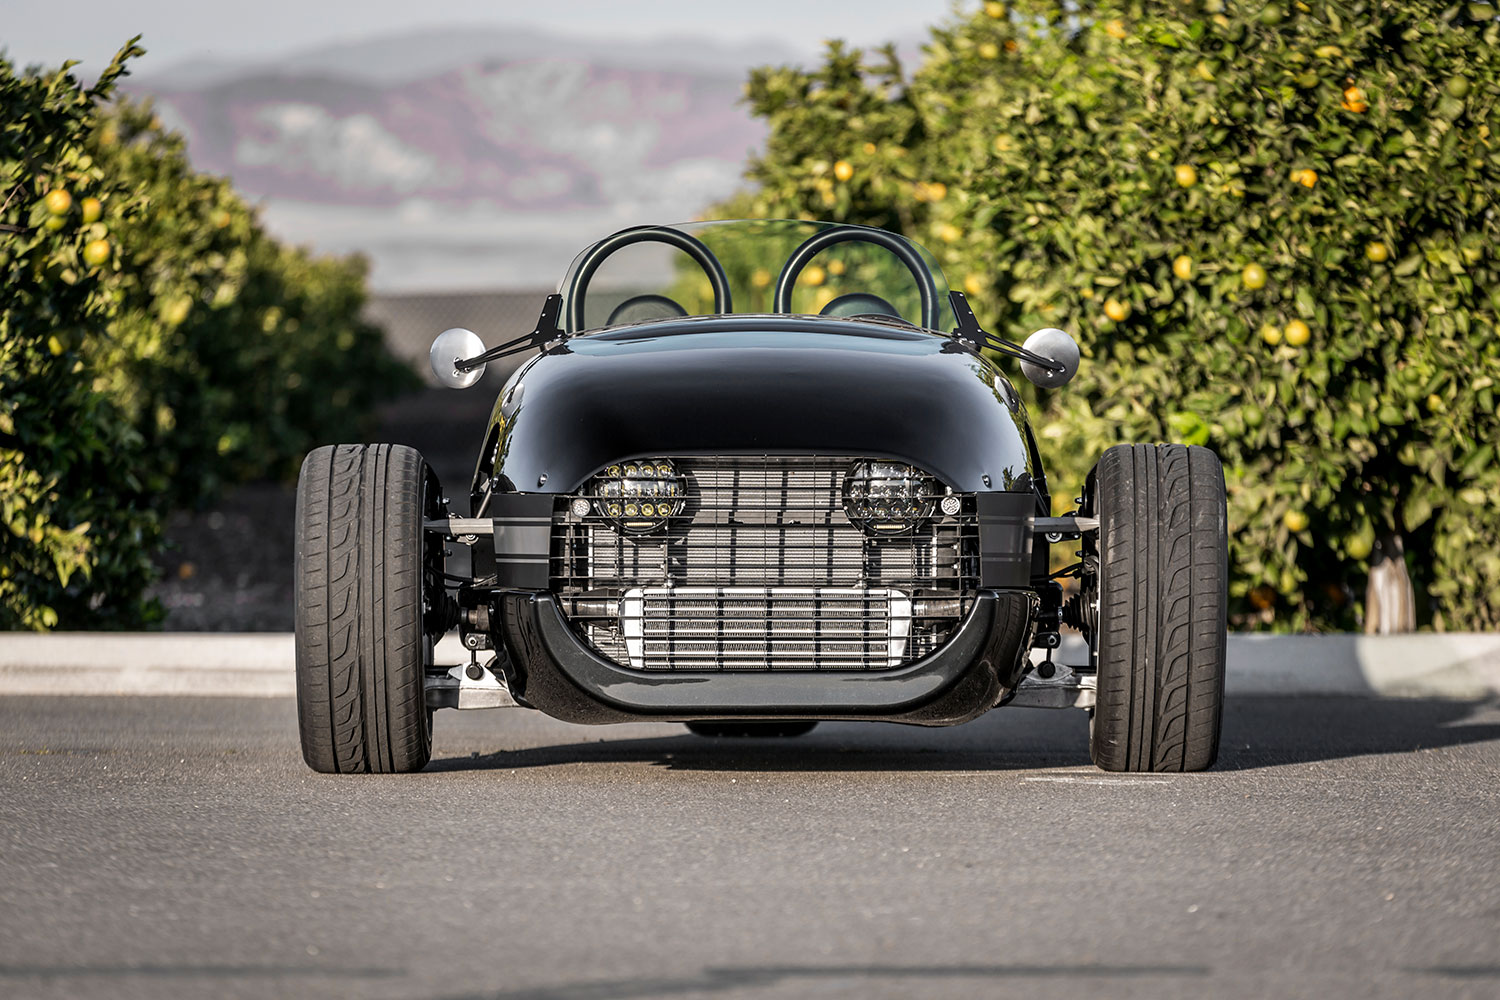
[(1161, 643), (359, 640)]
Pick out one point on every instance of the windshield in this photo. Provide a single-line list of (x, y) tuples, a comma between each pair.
[(753, 266)]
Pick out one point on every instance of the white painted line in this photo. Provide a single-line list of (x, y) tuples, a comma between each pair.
[(1060, 779)]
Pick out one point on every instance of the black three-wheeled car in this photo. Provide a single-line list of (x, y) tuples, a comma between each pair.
[(768, 477)]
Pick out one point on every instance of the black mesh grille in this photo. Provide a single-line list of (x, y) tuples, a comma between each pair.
[(762, 570)]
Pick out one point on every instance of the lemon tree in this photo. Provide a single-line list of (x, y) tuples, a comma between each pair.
[(1271, 227), (74, 522), (155, 343), (230, 354)]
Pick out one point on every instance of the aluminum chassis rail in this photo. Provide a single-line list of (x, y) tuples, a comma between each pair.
[(458, 527)]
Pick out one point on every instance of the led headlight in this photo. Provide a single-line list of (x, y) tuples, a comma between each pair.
[(888, 498), (637, 496)]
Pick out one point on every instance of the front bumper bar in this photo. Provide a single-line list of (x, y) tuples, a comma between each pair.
[(552, 669)]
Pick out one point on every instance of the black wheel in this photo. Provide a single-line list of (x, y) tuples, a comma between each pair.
[(766, 730), (363, 571), (1159, 571)]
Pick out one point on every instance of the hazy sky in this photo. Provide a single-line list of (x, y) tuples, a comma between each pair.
[(47, 32)]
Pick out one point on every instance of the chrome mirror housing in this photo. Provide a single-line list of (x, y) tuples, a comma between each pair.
[(1057, 346), (451, 347)]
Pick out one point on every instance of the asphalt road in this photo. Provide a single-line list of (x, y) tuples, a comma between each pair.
[(178, 847)]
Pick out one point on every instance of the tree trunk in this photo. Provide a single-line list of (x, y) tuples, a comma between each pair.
[(1390, 603)]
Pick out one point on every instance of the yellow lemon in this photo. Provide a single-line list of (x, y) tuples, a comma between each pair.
[(1116, 310), (1359, 546), (1253, 276), (973, 284), (1377, 252), (989, 50), (1295, 521), (91, 209), (994, 9), (1270, 334), (1297, 333), (1187, 175), (760, 278), (843, 170), (58, 201), (1116, 29), (1183, 267), (815, 275), (96, 252), (177, 311)]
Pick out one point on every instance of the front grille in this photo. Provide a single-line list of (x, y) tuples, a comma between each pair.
[(762, 570), (747, 628)]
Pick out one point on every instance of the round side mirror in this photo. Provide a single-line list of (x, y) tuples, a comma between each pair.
[(1056, 345), (451, 347)]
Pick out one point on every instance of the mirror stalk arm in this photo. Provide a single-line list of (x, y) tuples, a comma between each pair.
[(977, 337), (546, 331)]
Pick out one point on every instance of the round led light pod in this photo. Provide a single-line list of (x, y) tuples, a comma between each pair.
[(636, 497), (580, 507), (888, 498), (950, 505)]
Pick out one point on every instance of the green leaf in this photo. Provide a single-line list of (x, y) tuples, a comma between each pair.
[(1188, 428)]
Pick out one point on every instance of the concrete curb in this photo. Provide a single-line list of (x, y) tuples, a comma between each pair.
[(250, 664), (1458, 665), (1462, 666)]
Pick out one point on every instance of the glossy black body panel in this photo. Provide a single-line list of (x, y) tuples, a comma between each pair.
[(551, 669), (758, 385)]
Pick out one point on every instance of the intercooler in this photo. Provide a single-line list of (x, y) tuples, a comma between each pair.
[(760, 568)]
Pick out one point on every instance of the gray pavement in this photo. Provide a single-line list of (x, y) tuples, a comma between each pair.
[(177, 847)]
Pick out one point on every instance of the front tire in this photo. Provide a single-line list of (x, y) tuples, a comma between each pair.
[(361, 574), (1162, 568)]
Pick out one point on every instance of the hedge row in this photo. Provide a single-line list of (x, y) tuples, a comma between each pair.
[(1272, 227), (155, 344)]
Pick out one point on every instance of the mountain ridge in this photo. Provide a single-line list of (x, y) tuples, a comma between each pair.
[(408, 57)]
